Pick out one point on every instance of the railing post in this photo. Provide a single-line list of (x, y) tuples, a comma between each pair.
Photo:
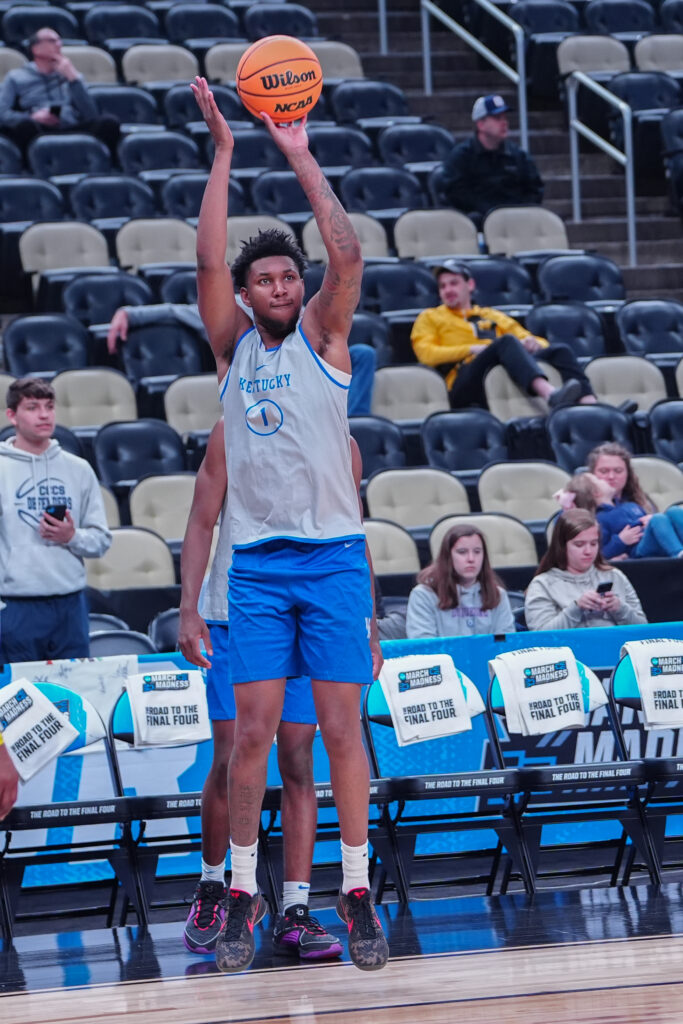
[(630, 186), (426, 50), (383, 35), (572, 87), (521, 88)]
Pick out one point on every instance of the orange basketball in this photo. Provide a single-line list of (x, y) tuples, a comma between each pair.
[(281, 75)]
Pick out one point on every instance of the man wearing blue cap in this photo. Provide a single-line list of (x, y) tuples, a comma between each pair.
[(488, 170)]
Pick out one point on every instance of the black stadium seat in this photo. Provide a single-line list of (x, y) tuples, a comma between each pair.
[(381, 443), (182, 194), (666, 428), (156, 155), (569, 323), (180, 287), (199, 26), (372, 329), (279, 194), (671, 16), (94, 298), (20, 22), (26, 200), (154, 356), (392, 286), (383, 192), (546, 23), (585, 277), (653, 328), (45, 344), (11, 160), (108, 201), (181, 110), (337, 147), (120, 21), (576, 429), (620, 18), (416, 147), (130, 104), (649, 94), (125, 452), (463, 442), (70, 156), (369, 104), (274, 19), (500, 282)]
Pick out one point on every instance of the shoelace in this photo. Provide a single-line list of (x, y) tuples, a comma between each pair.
[(236, 911), (363, 916), (207, 907), (311, 924)]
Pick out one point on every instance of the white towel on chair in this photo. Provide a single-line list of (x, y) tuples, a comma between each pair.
[(541, 688), (33, 730), (169, 708), (658, 668), (427, 698)]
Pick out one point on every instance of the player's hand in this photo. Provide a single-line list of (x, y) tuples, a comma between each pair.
[(66, 68), (590, 600), (44, 116), (631, 534), (59, 531), (216, 123), (289, 138), (118, 328), (193, 634), (9, 781)]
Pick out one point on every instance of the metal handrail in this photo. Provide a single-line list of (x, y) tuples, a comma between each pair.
[(517, 77), (625, 158), (382, 19)]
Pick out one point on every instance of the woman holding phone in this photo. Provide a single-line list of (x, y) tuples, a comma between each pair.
[(574, 586)]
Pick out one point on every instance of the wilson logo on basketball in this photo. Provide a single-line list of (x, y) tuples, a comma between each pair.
[(288, 78), (288, 108)]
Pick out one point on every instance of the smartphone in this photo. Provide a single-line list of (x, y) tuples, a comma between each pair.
[(57, 511), (56, 109), (603, 588)]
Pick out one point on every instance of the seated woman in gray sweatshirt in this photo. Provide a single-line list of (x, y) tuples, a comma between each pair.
[(574, 585), (459, 594)]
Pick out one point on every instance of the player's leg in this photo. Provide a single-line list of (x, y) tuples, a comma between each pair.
[(207, 912), (295, 930)]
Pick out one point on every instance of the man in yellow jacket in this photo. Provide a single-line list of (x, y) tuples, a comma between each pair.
[(463, 342)]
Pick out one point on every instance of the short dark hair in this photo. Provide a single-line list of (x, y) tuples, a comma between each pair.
[(28, 387), (272, 242), (33, 38)]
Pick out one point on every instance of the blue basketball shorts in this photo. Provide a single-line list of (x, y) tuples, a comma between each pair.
[(298, 706), (300, 607)]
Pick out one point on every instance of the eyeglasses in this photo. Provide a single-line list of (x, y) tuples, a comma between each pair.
[(49, 39)]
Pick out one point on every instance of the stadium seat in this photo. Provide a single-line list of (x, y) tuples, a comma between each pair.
[(514, 229), (64, 159), (370, 105), (154, 356), (182, 113), (666, 428), (599, 56), (68, 439), (624, 19), (649, 94), (11, 160), (5, 381), (98, 621), (338, 148), (159, 240), (372, 329), (113, 516), (136, 109), (381, 443), (370, 232), (546, 23), (384, 192), (584, 277), (617, 379), (652, 328), (338, 61), (93, 397), (498, 281), (254, 153), (45, 345), (679, 378), (163, 630), (158, 67), (10, 59), (418, 148), (248, 225), (107, 642), (182, 194), (661, 479), (464, 442), (506, 400), (221, 62), (191, 405), (569, 323), (95, 64), (575, 430), (61, 245), (509, 541), (105, 22), (393, 550), (279, 194), (408, 393), (424, 233), (26, 200), (199, 26), (397, 286), (671, 16), (415, 498), (180, 287), (155, 156), (107, 202), (162, 504), (660, 53), (20, 22), (521, 489), (273, 19), (94, 298), (127, 451), (136, 558)]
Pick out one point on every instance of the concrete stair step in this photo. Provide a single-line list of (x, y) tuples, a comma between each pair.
[(602, 230)]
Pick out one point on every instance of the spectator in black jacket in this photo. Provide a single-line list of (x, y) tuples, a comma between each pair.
[(487, 170)]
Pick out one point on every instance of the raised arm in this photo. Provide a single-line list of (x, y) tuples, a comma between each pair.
[(222, 317), (328, 315), (207, 501)]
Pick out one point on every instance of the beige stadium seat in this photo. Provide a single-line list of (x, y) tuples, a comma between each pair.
[(371, 235), (97, 66), (659, 53), (521, 489), (616, 378), (337, 60), (11, 59), (51, 245), (144, 63), (155, 240), (679, 378), (415, 498), (221, 62), (408, 393), (505, 400), (111, 508), (392, 548), (191, 403), (242, 228), (136, 558), (512, 229), (162, 504), (660, 479), (93, 397), (509, 541), (420, 233), (5, 381), (592, 54)]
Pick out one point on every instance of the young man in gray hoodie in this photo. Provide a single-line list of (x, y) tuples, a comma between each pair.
[(51, 518)]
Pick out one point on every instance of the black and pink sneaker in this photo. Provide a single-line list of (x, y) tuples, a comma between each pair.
[(206, 917), (296, 932)]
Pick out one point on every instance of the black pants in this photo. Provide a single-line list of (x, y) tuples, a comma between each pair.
[(106, 128), (44, 628), (507, 351)]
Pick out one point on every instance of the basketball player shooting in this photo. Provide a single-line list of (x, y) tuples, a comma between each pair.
[(300, 589)]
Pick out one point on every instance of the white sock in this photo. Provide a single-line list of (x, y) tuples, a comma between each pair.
[(354, 867), (294, 893), (213, 872), (243, 860)]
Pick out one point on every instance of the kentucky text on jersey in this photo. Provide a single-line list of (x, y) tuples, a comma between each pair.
[(255, 387)]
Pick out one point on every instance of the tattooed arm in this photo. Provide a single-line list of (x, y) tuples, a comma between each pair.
[(327, 318)]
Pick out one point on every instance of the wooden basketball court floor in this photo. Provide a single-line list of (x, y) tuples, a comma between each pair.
[(604, 956)]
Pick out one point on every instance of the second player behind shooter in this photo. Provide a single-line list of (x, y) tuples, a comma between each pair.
[(300, 589)]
